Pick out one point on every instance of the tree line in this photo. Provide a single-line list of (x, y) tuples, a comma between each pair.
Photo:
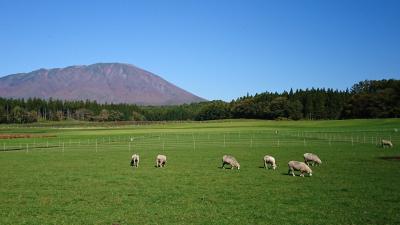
[(366, 99)]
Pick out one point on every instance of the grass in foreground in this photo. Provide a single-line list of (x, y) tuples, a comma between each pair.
[(82, 184)]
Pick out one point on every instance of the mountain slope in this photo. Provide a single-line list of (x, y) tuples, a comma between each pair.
[(103, 82)]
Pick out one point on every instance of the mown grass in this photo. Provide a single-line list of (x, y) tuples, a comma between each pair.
[(84, 184)]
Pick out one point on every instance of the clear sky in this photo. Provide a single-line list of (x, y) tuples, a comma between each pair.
[(217, 49)]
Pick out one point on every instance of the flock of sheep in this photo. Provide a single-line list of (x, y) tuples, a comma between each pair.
[(269, 162), (160, 160)]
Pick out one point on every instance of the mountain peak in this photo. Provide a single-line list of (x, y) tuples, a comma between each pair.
[(103, 82)]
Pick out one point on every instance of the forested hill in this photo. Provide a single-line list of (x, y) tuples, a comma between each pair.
[(367, 99)]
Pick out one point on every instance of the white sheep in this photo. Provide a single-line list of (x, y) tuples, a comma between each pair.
[(299, 166), (310, 157), (228, 159), (269, 160), (135, 160), (161, 160), (386, 143)]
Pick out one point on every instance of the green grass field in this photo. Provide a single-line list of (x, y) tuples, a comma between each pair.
[(81, 173)]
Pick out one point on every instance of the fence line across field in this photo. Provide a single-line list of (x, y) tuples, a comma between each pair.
[(195, 140)]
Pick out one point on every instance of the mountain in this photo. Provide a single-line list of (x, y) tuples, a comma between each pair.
[(103, 82)]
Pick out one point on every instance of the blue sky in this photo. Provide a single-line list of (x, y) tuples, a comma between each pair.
[(215, 49)]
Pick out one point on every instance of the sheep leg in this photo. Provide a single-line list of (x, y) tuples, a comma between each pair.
[(223, 165), (265, 165), (302, 174), (291, 171)]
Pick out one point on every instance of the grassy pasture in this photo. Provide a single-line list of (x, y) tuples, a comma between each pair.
[(82, 175)]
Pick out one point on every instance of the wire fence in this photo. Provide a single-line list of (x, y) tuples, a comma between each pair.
[(196, 140)]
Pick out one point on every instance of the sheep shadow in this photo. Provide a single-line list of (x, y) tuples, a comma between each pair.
[(159, 166), (390, 158), (221, 167), (295, 175), (226, 168)]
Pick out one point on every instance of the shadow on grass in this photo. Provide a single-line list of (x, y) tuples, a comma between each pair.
[(226, 168), (390, 158)]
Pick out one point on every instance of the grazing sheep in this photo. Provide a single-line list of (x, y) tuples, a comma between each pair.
[(161, 160), (135, 160), (299, 166), (386, 143), (228, 159), (269, 160), (314, 159)]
